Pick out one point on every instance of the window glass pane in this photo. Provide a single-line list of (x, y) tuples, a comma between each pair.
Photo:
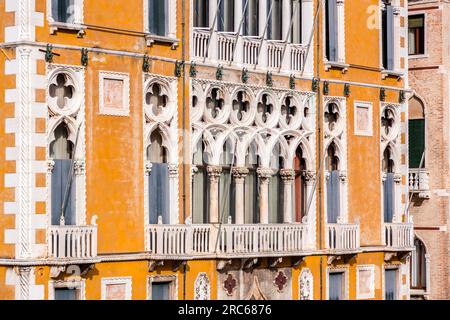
[(158, 17), (390, 284), (66, 294), (415, 21), (161, 290), (336, 287), (201, 13), (416, 34)]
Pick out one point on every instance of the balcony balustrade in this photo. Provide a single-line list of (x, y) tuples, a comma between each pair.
[(73, 242), (418, 182), (201, 37), (251, 47), (226, 44), (341, 237), (273, 54), (398, 236), (227, 240)]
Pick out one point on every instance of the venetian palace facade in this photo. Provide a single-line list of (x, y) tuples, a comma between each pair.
[(429, 68), (230, 149)]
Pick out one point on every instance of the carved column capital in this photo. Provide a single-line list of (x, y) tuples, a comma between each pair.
[(173, 170), (148, 167), (194, 170), (50, 166), (79, 167), (310, 176), (287, 175), (214, 173), (239, 174), (264, 174)]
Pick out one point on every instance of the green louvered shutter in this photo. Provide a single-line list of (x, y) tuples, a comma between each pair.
[(416, 142)]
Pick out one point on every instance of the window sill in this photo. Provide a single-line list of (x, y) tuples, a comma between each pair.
[(336, 65), (151, 38), (418, 56), (55, 26), (391, 73)]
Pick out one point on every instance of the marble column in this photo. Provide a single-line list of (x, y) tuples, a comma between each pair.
[(239, 175), (214, 174), (264, 177), (288, 177)]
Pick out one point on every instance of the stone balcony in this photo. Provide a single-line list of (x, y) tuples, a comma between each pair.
[(72, 243), (418, 182), (227, 47), (341, 238), (398, 236), (226, 240)]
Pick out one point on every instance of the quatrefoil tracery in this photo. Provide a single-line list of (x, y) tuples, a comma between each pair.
[(332, 116), (156, 99), (387, 120), (62, 90), (63, 95), (215, 103)]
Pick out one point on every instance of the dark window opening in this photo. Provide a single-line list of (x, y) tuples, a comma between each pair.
[(416, 34)]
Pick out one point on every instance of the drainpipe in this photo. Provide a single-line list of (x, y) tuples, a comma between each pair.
[(183, 126), (319, 147)]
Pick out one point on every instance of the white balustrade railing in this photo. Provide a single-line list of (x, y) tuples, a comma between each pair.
[(198, 240), (260, 239), (398, 235), (200, 44), (179, 240), (342, 237), (73, 242), (275, 50), (251, 47), (418, 180), (298, 55), (226, 43)]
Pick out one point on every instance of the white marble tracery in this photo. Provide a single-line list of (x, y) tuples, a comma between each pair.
[(161, 114), (390, 123), (202, 287), (68, 109), (335, 133), (268, 119)]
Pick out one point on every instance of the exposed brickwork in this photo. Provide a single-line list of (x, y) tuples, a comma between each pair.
[(431, 86)]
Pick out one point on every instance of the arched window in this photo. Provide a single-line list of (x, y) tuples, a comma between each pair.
[(251, 187), (333, 184), (200, 189), (418, 266), (276, 191), (416, 123), (300, 198), (158, 179), (226, 183), (388, 185), (62, 180)]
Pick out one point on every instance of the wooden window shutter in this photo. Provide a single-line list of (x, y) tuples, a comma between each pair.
[(416, 142)]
